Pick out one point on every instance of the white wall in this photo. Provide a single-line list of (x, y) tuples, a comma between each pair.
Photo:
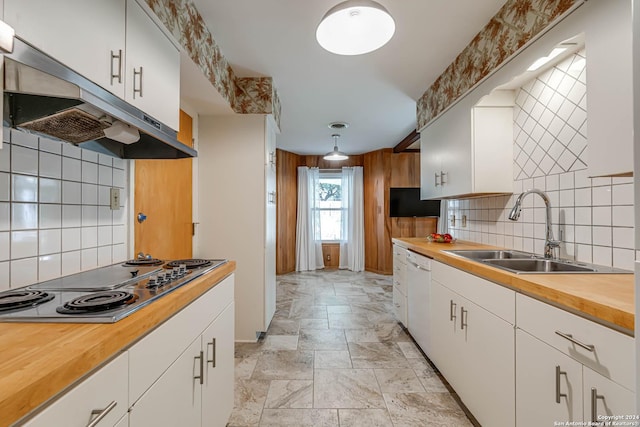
[(55, 218)]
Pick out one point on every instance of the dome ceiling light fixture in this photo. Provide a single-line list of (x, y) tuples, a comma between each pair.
[(335, 154), (355, 27)]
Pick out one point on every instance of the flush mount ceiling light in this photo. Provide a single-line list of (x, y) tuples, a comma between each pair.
[(355, 27), (335, 154)]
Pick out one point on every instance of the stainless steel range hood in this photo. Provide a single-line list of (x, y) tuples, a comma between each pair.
[(43, 96)]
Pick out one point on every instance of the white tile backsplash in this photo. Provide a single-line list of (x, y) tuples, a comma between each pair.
[(50, 224), (594, 218)]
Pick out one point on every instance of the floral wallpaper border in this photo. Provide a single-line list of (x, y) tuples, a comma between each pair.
[(517, 22), (246, 95)]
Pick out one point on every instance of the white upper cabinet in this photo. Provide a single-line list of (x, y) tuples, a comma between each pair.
[(464, 155), (86, 36), (113, 43), (609, 94), (152, 68)]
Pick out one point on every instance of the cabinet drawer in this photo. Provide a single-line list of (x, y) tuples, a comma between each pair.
[(399, 253), (153, 354), (613, 352), (488, 295), (98, 392)]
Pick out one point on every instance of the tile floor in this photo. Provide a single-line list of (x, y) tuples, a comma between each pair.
[(335, 355)]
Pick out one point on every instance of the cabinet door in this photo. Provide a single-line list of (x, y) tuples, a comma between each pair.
[(603, 397), (445, 349), (124, 421), (488, 365), (106, 390), (152, 68), (175, 399), (431, 164), (81, 34), (217, 391), (542, 375), (400, 306)]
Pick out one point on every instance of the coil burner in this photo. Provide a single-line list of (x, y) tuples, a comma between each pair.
[(97, 302), (19, 300)]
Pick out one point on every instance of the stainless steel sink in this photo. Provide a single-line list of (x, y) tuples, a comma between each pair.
[(491, 254), (527, 263), (539, 266)]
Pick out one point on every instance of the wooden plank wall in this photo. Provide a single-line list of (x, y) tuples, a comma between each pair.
[(382, 169)]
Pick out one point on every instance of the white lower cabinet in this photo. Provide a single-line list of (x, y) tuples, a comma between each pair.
[(418, 290), (124, 421), (400, 284), (603, 397), (548, 384), (175, 398), (103, 394)]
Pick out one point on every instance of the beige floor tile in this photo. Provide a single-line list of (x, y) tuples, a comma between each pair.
[(398, 381), (284, 326), (346, 388), (364, 418), (290, 394), (280, 342), (314, 324), (244, 366), (249, 399), (425, 409), (299, 418), (338, 309), (348, 321), (332, 359), (319, 339), (284, 365), (377, 355), (410, 350)]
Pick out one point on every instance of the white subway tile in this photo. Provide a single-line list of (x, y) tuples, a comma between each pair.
[(623, 238), (24, 272), (89, 172), (50, 241), (71, 169), (70, 263), (105, 236), (71, 239), (119, 253), (71, 216), (622, 180), (89, 156), (50, 165), (89, 194), (119, 178), (120, 163), (5, 209), (104, 256), (119, 235), (25, 188), (602, 236), (4, 187), (623, 216), (601, 196), (5, 157), (50, 145), (89, 237), (71, 193), (24, 139), (89, 216), (583, 196), (104, 195), (5, 246), (50, 190), (105, 216), (584, 253), (583, 216), (24, 244), (602, 216), (567, 198), (89, 259), (49, 267), (582, 179), (583, 234), (120, 217), (623, 258), (70, 150), (105, 175), (105, 160), (24, 216), (50, 216), (553, 182), (623, 194), (603, 256), (5, 284), (567, 180)]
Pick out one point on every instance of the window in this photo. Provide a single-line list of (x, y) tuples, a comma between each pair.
[(329, 196)]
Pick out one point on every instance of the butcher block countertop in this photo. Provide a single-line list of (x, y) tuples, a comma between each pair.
[(39, 360), (605, 298)]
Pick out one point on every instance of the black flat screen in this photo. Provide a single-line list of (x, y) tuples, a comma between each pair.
[(405, 202)]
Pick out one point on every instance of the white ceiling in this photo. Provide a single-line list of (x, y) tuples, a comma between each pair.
[(375, 93)]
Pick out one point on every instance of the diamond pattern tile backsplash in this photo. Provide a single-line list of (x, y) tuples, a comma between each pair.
[(593, 218), (550, 127)]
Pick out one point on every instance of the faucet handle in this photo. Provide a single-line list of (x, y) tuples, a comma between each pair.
[(554, 243)]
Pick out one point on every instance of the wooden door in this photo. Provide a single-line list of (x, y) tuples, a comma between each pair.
[(163, 192)]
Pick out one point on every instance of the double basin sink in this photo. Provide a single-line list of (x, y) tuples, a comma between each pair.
[(523, 262)]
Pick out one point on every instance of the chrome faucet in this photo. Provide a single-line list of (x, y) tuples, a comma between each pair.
[(514, 215)]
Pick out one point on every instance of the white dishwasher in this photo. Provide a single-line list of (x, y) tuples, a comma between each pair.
[(418, 295)]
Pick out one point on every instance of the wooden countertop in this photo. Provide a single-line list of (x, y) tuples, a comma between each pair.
[(606, 298), (40, 360)]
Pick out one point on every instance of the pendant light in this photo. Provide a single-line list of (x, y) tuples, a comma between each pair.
[(335, 154), (355, 27)]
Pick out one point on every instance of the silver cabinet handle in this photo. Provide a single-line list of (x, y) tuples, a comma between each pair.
[(558, 373), (117, 75), (100, 414), (139, 90), (437, 175), (201, 376), (213, 354), (570, 337), (594, 404), (452, 311), (442, 174), (463, 318)]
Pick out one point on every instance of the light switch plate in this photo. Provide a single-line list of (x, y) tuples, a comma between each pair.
[(114, 198)]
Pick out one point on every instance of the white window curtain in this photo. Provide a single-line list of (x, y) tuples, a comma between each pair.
[(352, 243), (308, 240)]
